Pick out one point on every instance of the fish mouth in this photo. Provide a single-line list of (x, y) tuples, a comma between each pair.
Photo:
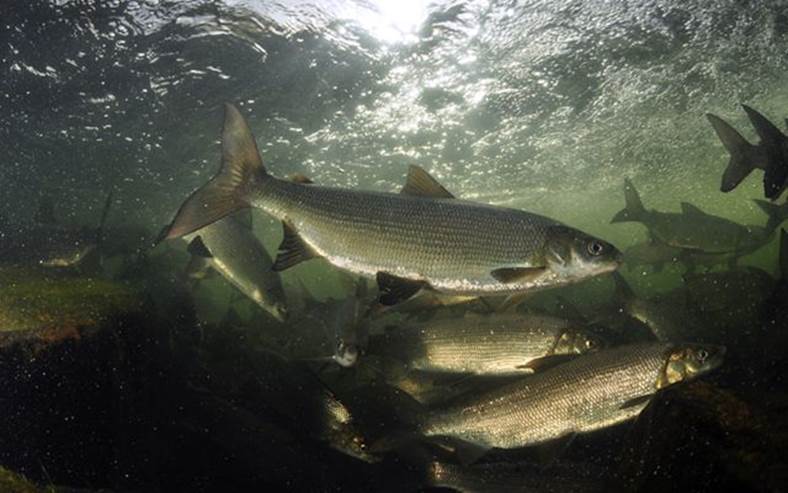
[(279, 312), (716, 359)]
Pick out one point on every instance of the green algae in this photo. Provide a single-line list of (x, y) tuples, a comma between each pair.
[(11, 482), (36, 299)]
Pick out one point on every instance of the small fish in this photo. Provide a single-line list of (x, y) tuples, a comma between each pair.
[(770, 154), (668, 316), (499, 344), (49, 243), (588, 393), (421, 238), (695, 229), (230, 248), (299, 398)]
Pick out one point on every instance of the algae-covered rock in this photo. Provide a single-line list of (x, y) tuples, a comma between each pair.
[(10, 482), (37, 305)]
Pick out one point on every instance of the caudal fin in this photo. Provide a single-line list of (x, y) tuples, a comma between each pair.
[(634, 209), (775, 173), (767, 131), (743, 154), (777, 213), (226, 192)]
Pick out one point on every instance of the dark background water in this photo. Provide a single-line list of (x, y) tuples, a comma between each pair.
[(545, 105)]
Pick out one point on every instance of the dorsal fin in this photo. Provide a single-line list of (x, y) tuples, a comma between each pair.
[(690, 209), (46, 211), (300, 178), (421, 184)]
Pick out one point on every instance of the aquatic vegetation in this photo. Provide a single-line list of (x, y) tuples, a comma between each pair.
[(15, 483), (32, 299)]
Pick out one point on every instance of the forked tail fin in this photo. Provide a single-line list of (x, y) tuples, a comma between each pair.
[(744, 155), (777, 213), (227, 191), (775, 173)]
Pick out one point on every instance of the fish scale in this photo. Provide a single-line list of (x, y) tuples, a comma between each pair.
[(582, 395), (408, 236), (501, 344)]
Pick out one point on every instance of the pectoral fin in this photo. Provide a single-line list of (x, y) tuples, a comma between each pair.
[(395, 289), (292, 251), (300, 178), (467, 453), (513, 301), (637, 401), (508, 275), (420, 183), (198, 249), (545, 362)]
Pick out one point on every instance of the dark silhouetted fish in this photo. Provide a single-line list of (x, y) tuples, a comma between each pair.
[(770, 154), (695, 229)]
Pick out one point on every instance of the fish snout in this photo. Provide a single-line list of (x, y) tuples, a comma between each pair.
[(280, 312)]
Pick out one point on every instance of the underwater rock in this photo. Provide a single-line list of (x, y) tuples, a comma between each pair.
[(15, 483), (705, 438), (84, 364), (39, 309)]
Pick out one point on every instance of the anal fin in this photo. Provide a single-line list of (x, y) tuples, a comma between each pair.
[(637, 401), (292, 251), (395, 289), (198, 249)]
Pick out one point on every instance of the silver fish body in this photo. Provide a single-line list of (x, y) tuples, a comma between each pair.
[(410, 237), (423, 236), (585, 394), (499, 344), (239, 257)]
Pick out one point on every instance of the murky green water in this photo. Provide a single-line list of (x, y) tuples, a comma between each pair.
[(547, 107)]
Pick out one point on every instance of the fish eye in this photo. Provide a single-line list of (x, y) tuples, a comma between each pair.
[(595, 248), (590, 344), (703, 355)]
